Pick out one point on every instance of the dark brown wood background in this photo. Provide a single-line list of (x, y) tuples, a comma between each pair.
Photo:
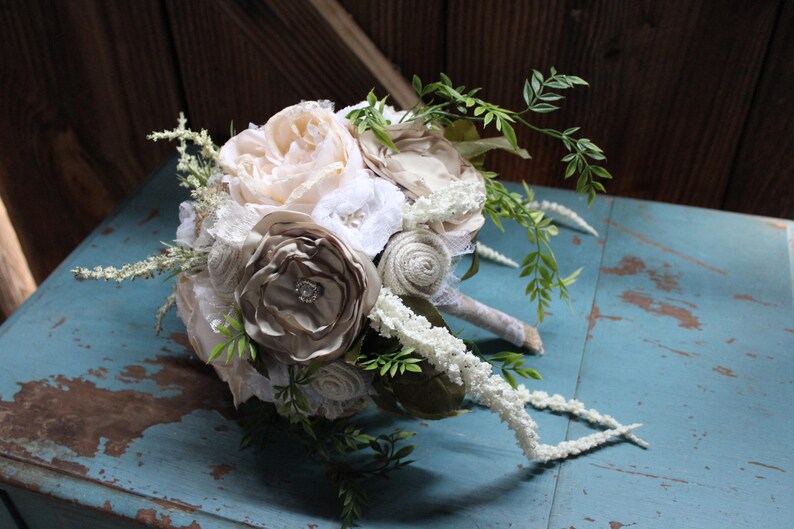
[(691, 99)]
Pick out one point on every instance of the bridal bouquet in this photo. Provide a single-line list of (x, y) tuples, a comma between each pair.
[(316, 253)]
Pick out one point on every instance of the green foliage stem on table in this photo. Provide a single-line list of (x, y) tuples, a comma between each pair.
[(350, 455)]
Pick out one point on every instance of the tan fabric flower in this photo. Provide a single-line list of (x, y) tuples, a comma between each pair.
[(426, 163), (298, 156), (304, 294)]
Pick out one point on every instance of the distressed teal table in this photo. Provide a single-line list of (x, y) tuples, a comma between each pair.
[(682, 320)]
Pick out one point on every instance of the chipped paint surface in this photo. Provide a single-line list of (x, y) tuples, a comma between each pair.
[(642, 363), (685, 317), (218, 471), (662, 278), (73, 412), (666, 249)]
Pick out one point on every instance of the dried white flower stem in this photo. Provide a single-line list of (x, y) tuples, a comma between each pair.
[(391, 318), (174, 257), (564, 213), (557, 403), (486, 252), (183, 134), (167, 305), (501, 324)]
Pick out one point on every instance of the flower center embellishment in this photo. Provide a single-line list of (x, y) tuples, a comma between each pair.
[(308, 291)]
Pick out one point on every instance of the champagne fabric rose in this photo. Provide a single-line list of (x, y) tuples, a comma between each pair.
[(301, 154), (304, 294), (426, 163)]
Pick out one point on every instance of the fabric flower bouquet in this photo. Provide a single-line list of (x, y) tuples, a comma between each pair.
[(316, 251)]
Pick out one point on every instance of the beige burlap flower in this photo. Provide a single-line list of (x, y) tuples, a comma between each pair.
[(415, 263), (304, 294), (426, 163)]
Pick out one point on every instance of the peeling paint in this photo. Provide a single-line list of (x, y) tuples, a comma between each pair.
[(643, 474), (75, 414), (595, 315), (676, 351), (685, 318), (150, 518), (59, 323), (663, 248), (747, 297), (576, 241), (218, 471), (724, 371), (132, 373), (152, 214), (756, 463), (107, 231)]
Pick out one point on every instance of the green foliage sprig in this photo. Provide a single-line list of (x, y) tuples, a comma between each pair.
[(238, 341), (540, 265), (509, 363), (340, 444), (443, 104), (371, 118), (392, 362), (294, 405), (387, 457)]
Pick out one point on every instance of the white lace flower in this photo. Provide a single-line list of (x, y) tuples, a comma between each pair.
[(186, 232), (364, 213)]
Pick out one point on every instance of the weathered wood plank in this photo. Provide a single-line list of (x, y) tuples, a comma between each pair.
[(83, 83), (409, 32), (761, 178), (691, 335), (671, 83), (245, 61), (16, 282)]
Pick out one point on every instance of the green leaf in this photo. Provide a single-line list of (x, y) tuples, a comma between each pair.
[(416, 83), (216, 352), (474, 268), (510, 134), (473, 149)]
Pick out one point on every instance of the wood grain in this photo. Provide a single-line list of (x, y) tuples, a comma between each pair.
[(245, 60), (16, 281), (761, 179), (83, 83), (671, 83), (410, 33)]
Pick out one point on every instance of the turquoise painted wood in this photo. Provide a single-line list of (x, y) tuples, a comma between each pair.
[(682, 320)]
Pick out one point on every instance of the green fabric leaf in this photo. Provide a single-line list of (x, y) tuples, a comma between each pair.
[(475, 148)]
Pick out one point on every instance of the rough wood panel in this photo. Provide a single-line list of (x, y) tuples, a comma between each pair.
[(82, 84), (671, 83), (761, 177), (680, 319), (245, 60), (409, 32), (16, 282)]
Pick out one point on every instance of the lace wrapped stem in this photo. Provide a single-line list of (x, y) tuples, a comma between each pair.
[(503, 325)]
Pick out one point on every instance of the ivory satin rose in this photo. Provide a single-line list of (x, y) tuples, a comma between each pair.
[(301, 154), (426, 162), (304, 294)]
